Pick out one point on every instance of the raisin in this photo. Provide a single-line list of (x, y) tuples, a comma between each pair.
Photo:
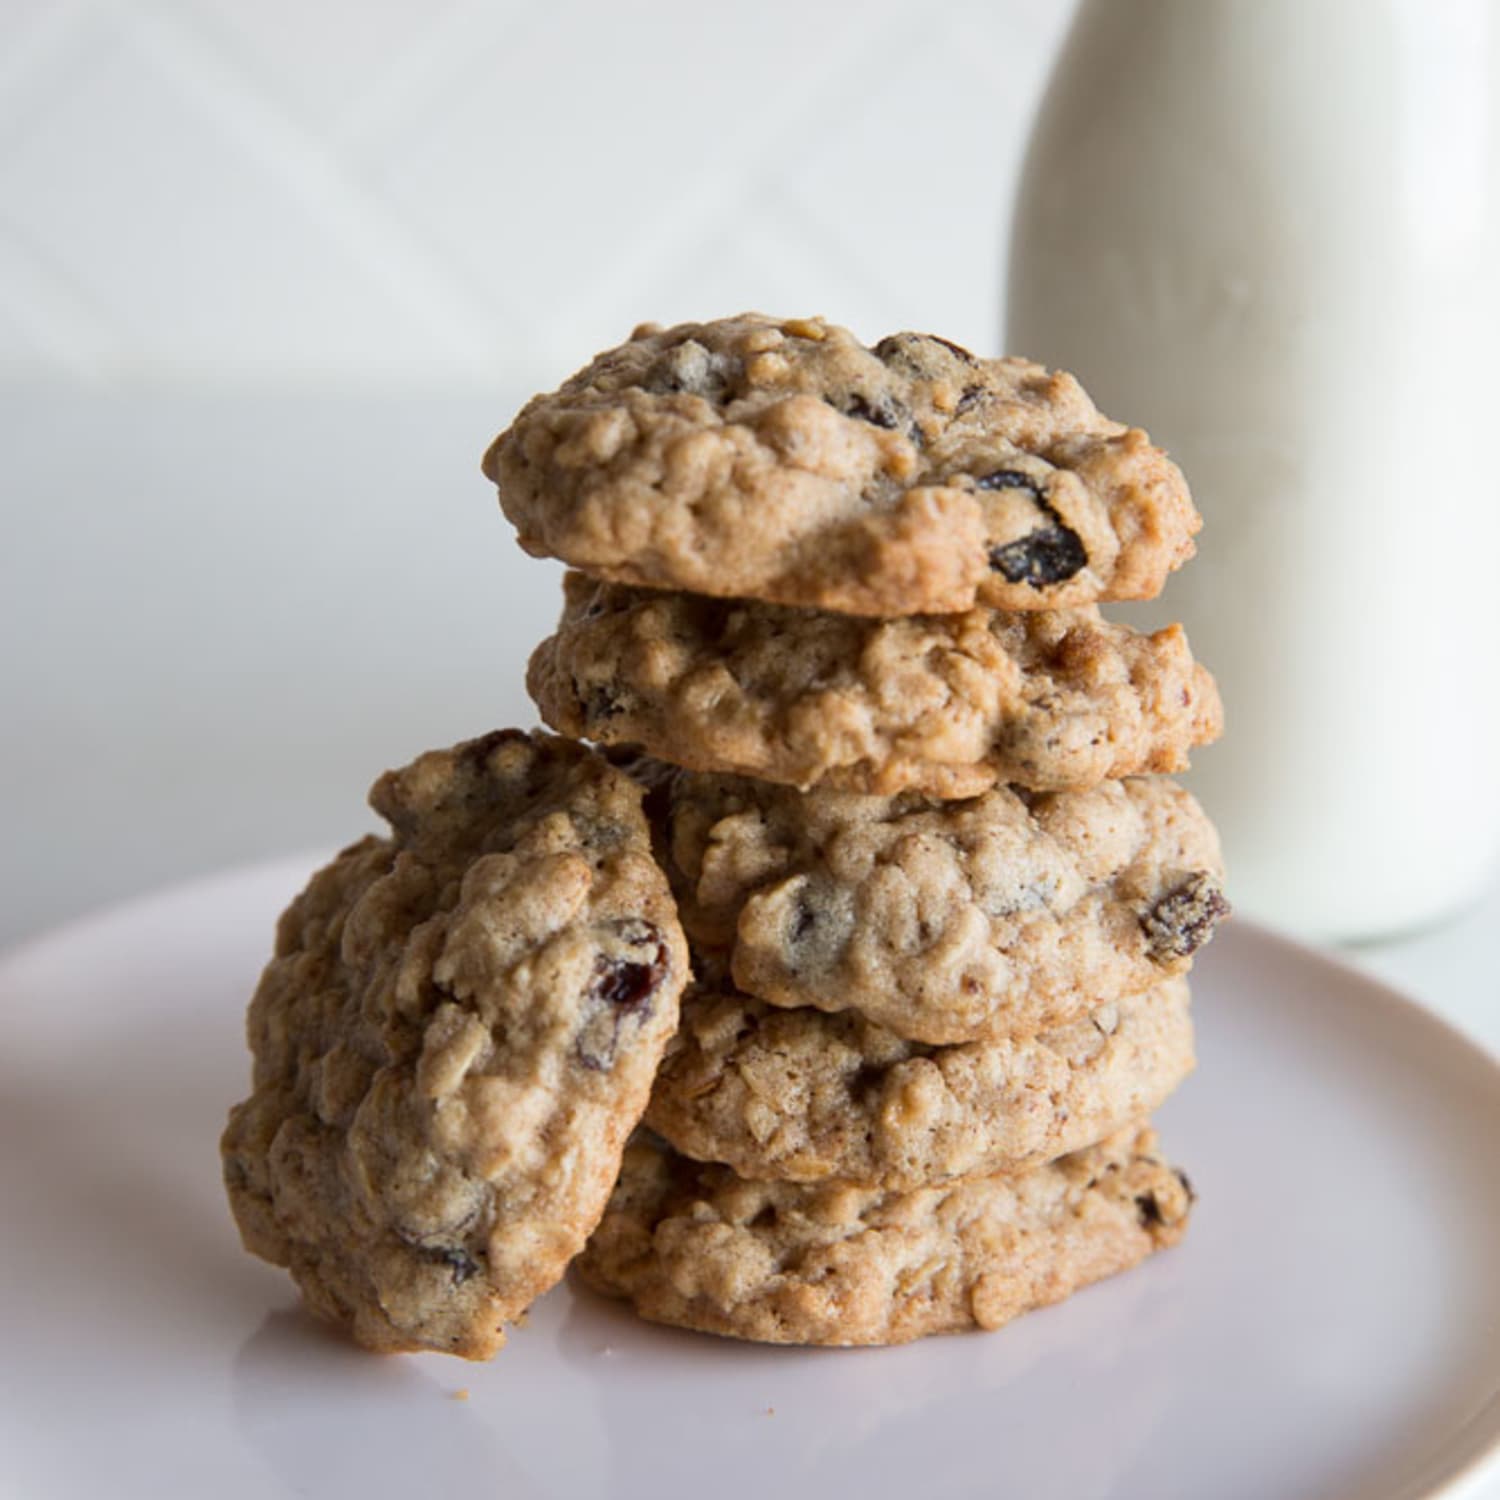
[(1184, 919), (1011, 479), (953, 348), (620, 988), (882, 412), (1148, 1210), (458, 1260), (1148, 1206), (624, 985), (970, 397), (1049, 555), (904, 349)]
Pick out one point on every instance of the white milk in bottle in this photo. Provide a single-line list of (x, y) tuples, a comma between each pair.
[(1269, 232)]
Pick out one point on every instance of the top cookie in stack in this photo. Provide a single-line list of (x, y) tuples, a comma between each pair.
[(872, 575), (784, 461)]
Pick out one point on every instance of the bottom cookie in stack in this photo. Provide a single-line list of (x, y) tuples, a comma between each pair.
[(810, 1177), (832, 1262)]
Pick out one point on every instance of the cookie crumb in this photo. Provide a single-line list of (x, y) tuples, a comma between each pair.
[(770, 1411), (461, 1394)]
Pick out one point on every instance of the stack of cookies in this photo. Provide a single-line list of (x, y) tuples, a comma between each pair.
[(826, 997), (836, 607)]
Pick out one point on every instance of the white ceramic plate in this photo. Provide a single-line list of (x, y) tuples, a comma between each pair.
[(1329, 1330)]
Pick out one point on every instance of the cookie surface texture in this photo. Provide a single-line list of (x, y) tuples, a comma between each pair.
[(831, 1263), (453, 1040), (943, 704), (781, 459), (799, 1095), (988, 918)]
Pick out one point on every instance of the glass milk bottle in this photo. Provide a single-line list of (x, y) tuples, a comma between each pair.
[(1269, 232)]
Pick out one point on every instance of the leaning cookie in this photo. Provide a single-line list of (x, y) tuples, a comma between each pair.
[(783, 460), (798, 1095), (943, 704), (454, 1039), (992, 917), (833, 1263)]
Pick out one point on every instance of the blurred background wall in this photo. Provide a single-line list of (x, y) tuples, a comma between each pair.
[(319, 192), (272, 274)]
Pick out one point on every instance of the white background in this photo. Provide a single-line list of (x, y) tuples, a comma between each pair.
[(272, 274)]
